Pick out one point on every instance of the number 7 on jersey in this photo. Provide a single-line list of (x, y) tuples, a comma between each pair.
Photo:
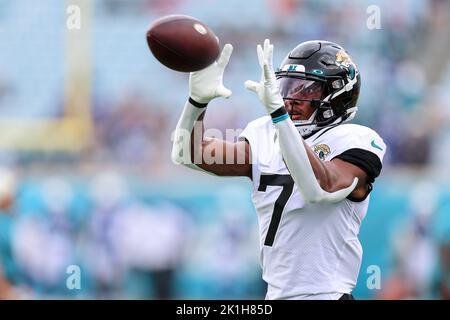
[(285, 181)]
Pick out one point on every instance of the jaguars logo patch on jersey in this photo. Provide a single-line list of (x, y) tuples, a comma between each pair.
[(322, 150)]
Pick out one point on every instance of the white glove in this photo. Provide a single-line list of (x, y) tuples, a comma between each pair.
[(267, 89), (206, 84)]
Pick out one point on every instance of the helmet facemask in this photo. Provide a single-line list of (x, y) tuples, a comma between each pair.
[(301, 95), (296, 88)]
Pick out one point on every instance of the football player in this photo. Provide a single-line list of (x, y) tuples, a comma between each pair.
[(312, 172)]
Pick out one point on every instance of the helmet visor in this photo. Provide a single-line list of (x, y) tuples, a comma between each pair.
[(300, 89)]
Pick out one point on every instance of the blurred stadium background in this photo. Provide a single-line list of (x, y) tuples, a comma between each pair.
[(85, 125)]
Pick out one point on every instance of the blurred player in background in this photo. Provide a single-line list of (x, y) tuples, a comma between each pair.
[(8, 266), (312, 174)]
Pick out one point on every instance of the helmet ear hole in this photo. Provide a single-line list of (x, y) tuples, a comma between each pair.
[(327, 114), (337, 84)]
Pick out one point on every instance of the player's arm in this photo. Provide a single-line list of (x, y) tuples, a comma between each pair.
[(190, 147), (318, 181), (337, 174)]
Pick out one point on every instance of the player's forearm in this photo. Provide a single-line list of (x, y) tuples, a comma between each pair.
[(308, 172), (190, 145), (197, 139), (297, 161), (328, 175), (321, 172), (185, 141)]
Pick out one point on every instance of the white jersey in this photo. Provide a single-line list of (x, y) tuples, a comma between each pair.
[(308, 250)]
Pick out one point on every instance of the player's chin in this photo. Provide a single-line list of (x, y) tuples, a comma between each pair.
[(297, 117)]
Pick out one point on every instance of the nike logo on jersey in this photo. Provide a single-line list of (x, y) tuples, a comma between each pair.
[(373, 144)]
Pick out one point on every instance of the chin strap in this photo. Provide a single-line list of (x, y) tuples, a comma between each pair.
[(306, 128)]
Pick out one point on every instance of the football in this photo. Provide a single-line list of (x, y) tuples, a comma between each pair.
[(182, 43)]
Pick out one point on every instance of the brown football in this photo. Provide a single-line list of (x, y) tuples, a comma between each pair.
[(182, 43)]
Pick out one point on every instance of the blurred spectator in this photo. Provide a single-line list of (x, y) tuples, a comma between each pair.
[(444, 283), (414, 248), (441, 232), (44, 243), (134, 132), (151, 243), (109, 194), (8, 267)]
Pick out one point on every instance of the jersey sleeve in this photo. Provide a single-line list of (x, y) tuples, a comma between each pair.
[(362, 147)]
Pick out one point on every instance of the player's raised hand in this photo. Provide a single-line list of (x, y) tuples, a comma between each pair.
[(266, 89), (207, 84)]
